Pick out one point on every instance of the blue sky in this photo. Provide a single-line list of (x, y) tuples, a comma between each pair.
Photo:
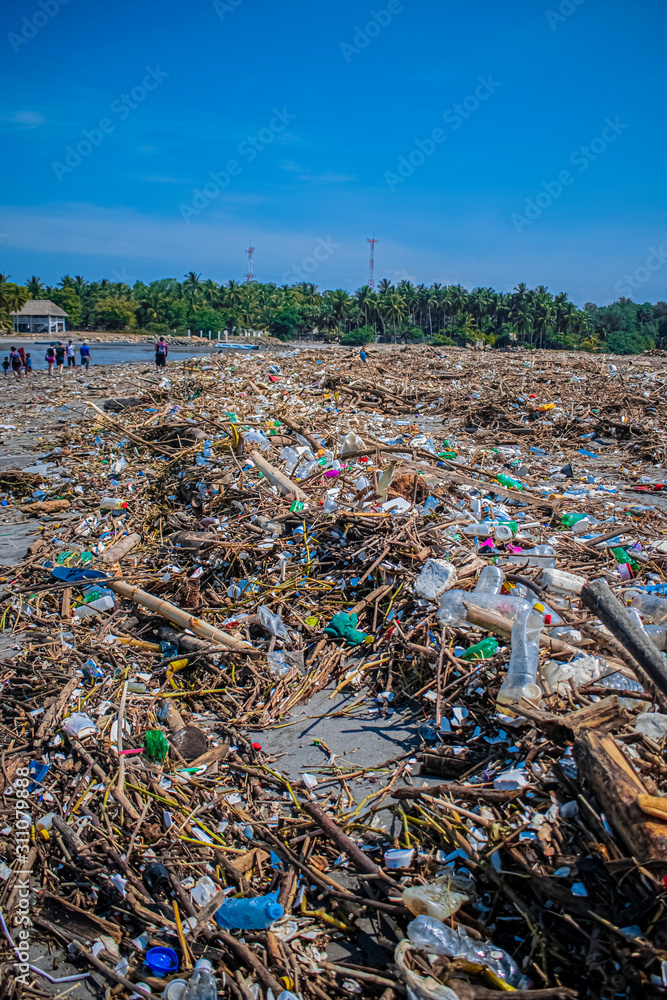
[(339, 95)]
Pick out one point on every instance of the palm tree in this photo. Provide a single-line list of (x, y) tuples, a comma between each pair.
[(341, 304), (79, 283), (67, 281), (34, 286), (392, 308)]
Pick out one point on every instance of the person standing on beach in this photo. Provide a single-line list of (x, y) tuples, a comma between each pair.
[(21, 351), (84, 351), (60, 356), (161, 351), (6, 366), (71, 355), (28, 364), (50, 358), (15, 359)]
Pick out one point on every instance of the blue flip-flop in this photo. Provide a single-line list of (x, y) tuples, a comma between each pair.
[(70, 574)]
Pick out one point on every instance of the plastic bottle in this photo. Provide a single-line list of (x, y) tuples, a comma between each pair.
[(650, 607), (43, 825), (522, 670), (249, 914), (541, 555), (109, 503), (439, 939), (202, 985), (569, 520), (559, 582), (490, 580), (509, 482), (501, 531), (454, 612), (481, 650)]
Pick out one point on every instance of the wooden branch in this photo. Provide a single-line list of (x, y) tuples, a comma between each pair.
[(178, 617), (277, 478), (598, 597)]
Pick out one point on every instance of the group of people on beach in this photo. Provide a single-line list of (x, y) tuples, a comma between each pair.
[(20, 364)]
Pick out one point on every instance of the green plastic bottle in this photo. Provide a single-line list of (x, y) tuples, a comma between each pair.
[(481, 650), (622, 556), (568, 520), (509, 482)]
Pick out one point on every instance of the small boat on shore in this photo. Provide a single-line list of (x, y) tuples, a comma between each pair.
[(236, 347)]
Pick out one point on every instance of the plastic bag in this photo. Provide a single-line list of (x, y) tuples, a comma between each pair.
[(259, 439), (439, 900), (272, 623), (419, 987), (351, 444)]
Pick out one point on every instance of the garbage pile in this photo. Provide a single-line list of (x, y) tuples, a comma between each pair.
[(473, 546)]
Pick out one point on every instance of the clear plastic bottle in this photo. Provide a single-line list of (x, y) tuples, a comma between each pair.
[(257, 913), (653, 608), (490, 580), (202, 984), (439, 939), (656, 633), (559, 582), (521, 680), (543, 556), (454, 612), (110, 503), (501, 531)]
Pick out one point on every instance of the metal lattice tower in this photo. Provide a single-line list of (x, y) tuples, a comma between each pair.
[(250, 276), (371, 266)]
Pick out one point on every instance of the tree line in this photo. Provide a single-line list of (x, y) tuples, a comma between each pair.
[(405, 312)]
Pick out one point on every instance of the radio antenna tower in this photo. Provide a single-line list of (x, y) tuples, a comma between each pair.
[(250, 276), (371, 267)]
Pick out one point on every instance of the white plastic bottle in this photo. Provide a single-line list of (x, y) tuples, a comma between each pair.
[(202, 985), (521, 680), (557, 581), (110, 503)]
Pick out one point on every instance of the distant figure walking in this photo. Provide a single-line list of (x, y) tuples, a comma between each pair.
[(50, 358), (6, 365), (15, 359), (60, 356), (84, 351), (161, 351), (28, 364), (22, 357), (363, 355), (71, 355)]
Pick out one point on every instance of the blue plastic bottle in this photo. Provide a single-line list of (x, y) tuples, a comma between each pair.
[(249, 914)]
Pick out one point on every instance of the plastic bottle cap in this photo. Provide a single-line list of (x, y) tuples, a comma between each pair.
[(547, 619), (162, 960), (538, 607), (274, 910), (175, 990)]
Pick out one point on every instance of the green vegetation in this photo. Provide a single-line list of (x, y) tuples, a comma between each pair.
[(438, 314)]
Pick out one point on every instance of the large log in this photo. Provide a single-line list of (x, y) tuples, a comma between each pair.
[(618, 788), (598, 597)]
